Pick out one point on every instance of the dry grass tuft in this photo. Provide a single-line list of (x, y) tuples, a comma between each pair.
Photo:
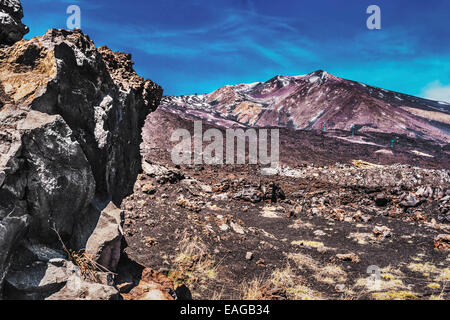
[(193, 264), (282, 284), (88, 267)]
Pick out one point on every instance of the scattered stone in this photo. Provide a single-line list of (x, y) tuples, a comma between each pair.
[(382, 232), (250, 195), (222, 187), (426, 192), (42, 252), (149, 188), (434, 224), (249, 256), (322, 249), (184, 203), (125, 287), (319, 233), (150, 242), (442, 242), (237, 228), (270, 212), (261, 263), (410, 201), (438, 193), (220, 197), (295, 212), (172, 176), (381, 200), (418, 216), (340, 287), (272, 192), (149, 291)]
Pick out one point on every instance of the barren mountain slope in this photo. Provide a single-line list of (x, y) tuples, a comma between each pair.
[(307, 102)]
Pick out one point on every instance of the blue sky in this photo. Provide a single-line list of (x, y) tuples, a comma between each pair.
[(197, 46)]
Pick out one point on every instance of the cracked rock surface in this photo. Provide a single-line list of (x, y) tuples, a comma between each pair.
[(70, 128)]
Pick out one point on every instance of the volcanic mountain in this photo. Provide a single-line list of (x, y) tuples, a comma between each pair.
[(316, 101), (337, 203)]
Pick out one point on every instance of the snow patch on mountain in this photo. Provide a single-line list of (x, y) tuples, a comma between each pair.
[(314, 119)]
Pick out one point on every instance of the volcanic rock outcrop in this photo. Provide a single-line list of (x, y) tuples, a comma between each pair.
[(70, 128), (11, 27)]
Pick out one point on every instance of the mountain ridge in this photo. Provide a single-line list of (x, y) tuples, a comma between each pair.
[(307, 102)]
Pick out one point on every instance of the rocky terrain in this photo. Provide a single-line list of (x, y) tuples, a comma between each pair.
[(305, 233), (70, 128), (92, 206), (310, 232), (339, 206), (313, 232)]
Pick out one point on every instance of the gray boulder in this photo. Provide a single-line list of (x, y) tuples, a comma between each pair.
[(40, 280), (105, 243), (78, 289)]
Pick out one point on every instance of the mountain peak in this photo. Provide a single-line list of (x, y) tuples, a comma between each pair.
[(320, 72), (323, 75), (307, 101)]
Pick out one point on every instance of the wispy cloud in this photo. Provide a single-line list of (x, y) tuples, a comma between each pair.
[(437, 91), (200, 45), (238, 35)]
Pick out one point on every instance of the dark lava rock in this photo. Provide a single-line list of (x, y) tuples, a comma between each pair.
[(69, 136), (251, 195), (442, 242), (273, 192), (410, 201), (381, 200), (11, 27)]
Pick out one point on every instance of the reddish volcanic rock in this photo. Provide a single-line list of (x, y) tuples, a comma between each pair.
[(152, 286), (442, 242)]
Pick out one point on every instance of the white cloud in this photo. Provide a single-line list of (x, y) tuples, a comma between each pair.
[(437, 91)]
